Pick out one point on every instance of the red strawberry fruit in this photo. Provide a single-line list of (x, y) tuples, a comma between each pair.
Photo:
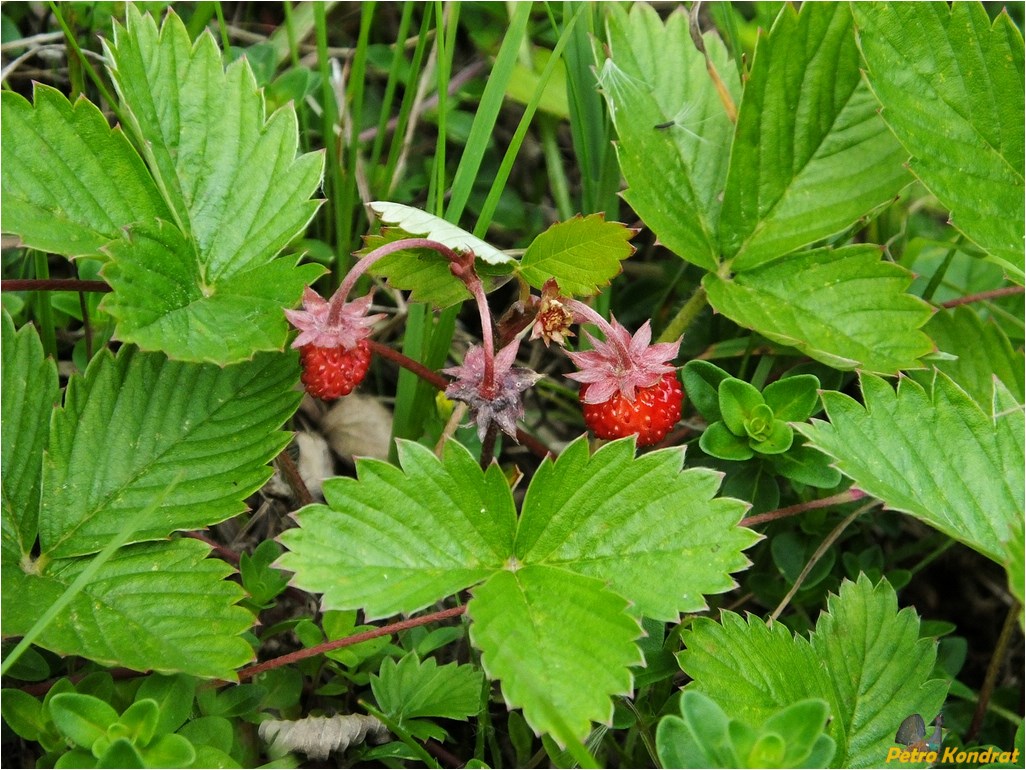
[(629, 386), (330, 373), (654, 411), (332, 342)]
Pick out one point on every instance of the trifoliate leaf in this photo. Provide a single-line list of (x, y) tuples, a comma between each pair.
[(139, 423), (30, 391), (396, 540), (582, 254), (935, 454), (931, 65), (810, 155), (410, 688), (159, 606), (70, 181), (236, 189), (982, 352), (865, 659), (655, 532), (427, 225), (666, 110), (845, 307), (561, 643), (173, 309)]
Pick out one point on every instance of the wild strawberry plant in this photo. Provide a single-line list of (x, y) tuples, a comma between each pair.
[(787, 172)]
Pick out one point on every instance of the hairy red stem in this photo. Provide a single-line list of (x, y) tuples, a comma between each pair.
[(848, 496), (53, 284), (392, 628), (984, 295)]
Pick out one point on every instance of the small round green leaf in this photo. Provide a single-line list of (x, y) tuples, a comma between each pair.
[(82, 718), (737, 401), (778, 439), (169, 751), (702, 381), (719, 442), (140, 719), (793, 399), (759, 424), (807, 466)]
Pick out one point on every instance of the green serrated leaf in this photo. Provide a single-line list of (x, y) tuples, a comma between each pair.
[(139, 422), (982, 352), (655, 532), (582, 254), (163, 301), (397, 540), (236, 189), (410, 688), (845, 307), (667, 111), (810, 154), (30, 391), (70, 182), (865, 659), (159, 606), (931, 65), (512, 626), (423, 272), (910, 447)]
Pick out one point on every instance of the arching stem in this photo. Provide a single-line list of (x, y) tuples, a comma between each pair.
[(338, 299)]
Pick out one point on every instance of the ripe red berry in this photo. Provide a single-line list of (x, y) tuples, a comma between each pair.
[(329, 373), (654, 411)]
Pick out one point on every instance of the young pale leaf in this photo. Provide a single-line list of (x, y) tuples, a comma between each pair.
[(934, 454), (699, 737), (174, 309), (409, 688), (931, 66), (666, 109), (845, 307), (69, 181), (30, 390), (656, 533), (982, 351), (437, 229), (561, 644), (582, 254), (232, 180), (810, 154), (865, 659), (159, 606), (140, 423), (396, 540)]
